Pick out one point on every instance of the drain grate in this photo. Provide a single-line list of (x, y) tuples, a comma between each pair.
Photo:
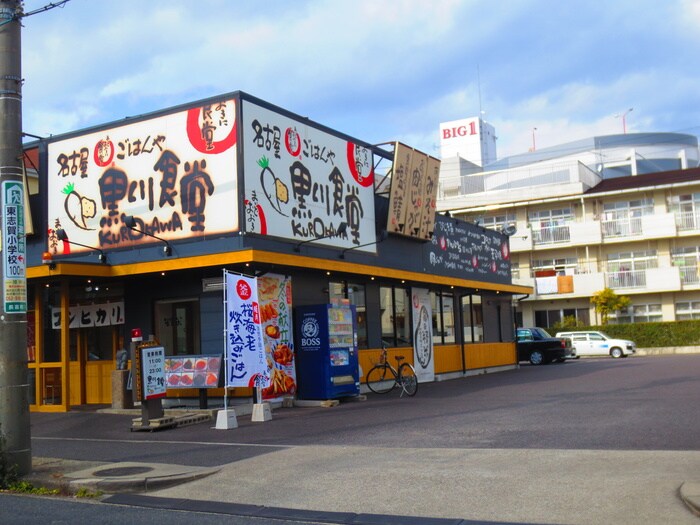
[(121, 471)]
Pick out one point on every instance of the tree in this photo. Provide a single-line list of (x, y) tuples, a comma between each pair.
[(607, 301), (567, 324)]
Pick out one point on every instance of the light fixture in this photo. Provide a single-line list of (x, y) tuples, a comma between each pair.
[(509, 230), (342, 228), (130, 223), (382, 237), (63, 236)]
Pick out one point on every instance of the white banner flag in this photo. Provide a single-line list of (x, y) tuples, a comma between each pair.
[(246, 363)]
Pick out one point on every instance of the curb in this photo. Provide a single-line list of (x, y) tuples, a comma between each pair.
[(71, 476), (690, 494)]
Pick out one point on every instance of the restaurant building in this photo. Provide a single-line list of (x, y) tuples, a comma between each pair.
[(133, 223)]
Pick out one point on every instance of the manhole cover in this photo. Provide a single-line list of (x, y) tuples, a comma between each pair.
[(122, 471)]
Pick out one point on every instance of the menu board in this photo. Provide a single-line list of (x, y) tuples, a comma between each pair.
[(193, 371), (464, 250)]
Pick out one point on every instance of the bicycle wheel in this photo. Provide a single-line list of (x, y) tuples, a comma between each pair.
[(408, 379), (380, 380)]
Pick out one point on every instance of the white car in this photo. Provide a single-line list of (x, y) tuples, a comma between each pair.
[(599, 343)]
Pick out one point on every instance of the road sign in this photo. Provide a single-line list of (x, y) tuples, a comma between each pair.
[(14, 248)]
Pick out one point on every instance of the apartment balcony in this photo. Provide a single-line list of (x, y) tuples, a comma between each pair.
[(587, 284), (688, 222), (650, 280), (690, 276), (656, 226), (566, 286), (570, 234)]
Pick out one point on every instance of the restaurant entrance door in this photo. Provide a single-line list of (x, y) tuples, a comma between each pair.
[(92, 354)]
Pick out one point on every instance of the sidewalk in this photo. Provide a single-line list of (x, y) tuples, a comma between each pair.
[(503, 486)]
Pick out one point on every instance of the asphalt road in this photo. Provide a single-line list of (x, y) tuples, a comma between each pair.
[(646, 403), (587, 441)]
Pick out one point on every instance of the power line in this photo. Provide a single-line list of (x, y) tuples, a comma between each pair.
[(47, 7)]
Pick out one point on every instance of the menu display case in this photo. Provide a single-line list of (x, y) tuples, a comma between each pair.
[(193, 371)]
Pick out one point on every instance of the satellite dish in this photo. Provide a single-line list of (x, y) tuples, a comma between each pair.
[(509, 230)]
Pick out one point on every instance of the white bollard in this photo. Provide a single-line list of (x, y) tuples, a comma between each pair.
[(261, 412), (226, 419)]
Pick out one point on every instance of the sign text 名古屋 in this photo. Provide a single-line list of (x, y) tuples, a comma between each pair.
[(176, 175)]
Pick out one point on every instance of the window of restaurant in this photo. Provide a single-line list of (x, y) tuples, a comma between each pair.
[(472, 313), (443, 317), (355, 294), (177, 326), (395, 308)]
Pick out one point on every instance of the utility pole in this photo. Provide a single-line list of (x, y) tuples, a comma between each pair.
[(14, 389)]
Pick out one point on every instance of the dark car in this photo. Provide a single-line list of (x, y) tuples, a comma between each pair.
[(537, 346)]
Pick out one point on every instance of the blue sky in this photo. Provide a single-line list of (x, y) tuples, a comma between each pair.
[(378, 70)]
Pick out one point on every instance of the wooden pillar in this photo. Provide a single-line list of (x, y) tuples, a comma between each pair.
[(65, 345)]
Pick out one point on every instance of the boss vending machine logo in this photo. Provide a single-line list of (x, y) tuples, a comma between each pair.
[(310, 332)]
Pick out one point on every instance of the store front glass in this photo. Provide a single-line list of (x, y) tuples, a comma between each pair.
[(177, 326)]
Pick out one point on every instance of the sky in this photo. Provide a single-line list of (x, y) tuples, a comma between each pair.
[(542, 71)]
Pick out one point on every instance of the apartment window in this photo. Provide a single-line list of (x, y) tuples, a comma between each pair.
[(563, 266), (497, 222), (443, 317), (395, 308), (639, 313), (627, 269), (685, 311), (686, 209), (550, 217), (355, 294), (624, 218), (550, 226), (686, 259), (548, 318), (515, 270), (472, 313)]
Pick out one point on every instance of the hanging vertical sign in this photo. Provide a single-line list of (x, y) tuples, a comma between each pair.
[(422, 335), (246, 362), (13, 248)]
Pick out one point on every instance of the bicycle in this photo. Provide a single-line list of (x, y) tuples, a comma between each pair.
[(383, 377)]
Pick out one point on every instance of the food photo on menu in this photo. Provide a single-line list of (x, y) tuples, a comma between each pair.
[(193, 371)]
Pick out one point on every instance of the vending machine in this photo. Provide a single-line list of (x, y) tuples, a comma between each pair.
[(326, 348)]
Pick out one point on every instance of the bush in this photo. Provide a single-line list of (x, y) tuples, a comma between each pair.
[(651, 335)]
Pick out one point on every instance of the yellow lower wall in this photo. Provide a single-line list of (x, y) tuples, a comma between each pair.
[(484, 355), (448, 358)]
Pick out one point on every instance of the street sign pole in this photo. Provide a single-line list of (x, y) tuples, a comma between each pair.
[(14, 389)]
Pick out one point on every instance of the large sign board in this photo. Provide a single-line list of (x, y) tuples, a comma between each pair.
[(13, 248), (175, 174), (413, 195), (302, 183), (463, 250)]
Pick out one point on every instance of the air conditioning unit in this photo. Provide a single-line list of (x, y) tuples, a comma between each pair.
[(212, 284)]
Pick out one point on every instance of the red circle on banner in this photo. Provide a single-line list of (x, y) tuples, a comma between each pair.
[(362, 180), (194, 133), (243, 290)]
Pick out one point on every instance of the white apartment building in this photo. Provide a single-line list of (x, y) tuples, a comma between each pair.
[(620, 211)]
